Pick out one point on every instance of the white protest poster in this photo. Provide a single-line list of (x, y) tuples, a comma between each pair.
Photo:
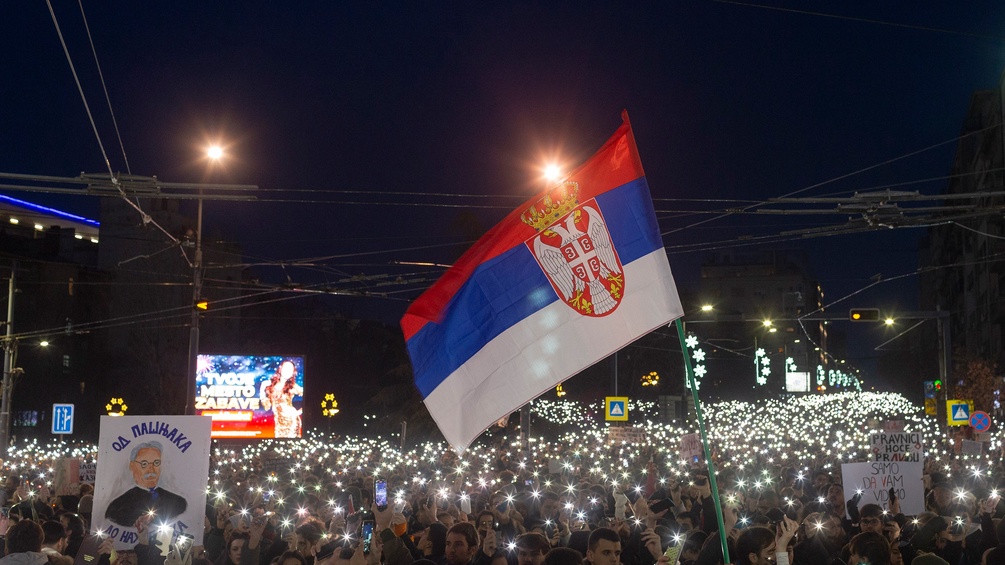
[(152, 464), (88, 469), (626, 434), (896, 446), (691, 449), (66, 476), (972, 447), (875, 479)]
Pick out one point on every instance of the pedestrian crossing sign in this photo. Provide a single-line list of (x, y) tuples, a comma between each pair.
[(958, 412), (616, 409)]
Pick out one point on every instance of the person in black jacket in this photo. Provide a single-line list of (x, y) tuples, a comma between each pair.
[(146, 496)]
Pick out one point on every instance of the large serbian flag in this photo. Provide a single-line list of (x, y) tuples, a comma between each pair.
[(565, 280)]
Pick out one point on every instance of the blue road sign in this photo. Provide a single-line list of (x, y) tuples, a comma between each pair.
[(62, 418), (980, 421), (958, 412)]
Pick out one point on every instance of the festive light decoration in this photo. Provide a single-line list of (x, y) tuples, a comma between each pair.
[(698, 355), (559, 391), (116, 407), (329, 406), (652, 379), (762, 366)]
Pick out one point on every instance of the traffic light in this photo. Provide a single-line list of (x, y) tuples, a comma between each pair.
[(938, 385), (864, 314)]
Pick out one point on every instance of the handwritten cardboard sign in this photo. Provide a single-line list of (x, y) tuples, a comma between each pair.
[(875, 479)]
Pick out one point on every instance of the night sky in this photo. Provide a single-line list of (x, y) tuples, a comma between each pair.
[(329, 107)]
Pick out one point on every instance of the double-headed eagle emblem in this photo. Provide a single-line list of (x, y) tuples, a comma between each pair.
[(574, 249)]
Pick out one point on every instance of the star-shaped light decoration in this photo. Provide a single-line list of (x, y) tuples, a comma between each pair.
[(329, 406), (116, 407)]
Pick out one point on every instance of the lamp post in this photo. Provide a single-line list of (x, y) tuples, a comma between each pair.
[(9, 346), (193, 334), (215, 154)]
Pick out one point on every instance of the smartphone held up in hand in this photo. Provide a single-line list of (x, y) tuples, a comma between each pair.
[(673, 552), (380, 493), (367, 536)]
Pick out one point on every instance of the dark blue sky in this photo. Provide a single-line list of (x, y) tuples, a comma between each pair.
[(728, 102)]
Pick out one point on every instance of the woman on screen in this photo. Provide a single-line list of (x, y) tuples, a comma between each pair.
[(278, 394)]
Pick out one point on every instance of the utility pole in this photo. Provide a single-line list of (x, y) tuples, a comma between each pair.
[(136, 187), (193, 335), (8, 366)]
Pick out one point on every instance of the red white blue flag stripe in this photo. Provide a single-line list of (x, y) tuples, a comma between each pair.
[(543, 295)]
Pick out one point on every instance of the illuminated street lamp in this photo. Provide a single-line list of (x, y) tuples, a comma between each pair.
[(215, 152), (707, 308)]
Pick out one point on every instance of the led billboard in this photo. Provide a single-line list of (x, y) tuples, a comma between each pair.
[(251, 396)]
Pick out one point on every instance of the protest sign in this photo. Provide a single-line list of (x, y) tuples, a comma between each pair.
[(65, 476), (893, 426), (156, 464), (276, 466), (690, 449), (896, 447), (972, 447), (626, 434), (88, 470), (875, 479)]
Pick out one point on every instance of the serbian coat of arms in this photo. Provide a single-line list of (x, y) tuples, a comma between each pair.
[(573, 247)]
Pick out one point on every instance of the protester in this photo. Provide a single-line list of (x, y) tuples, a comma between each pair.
[(570, 496)]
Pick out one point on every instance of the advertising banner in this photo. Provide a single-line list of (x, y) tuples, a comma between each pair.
[(251, 396)]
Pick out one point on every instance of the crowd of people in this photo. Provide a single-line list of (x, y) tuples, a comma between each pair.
[(550, 501)]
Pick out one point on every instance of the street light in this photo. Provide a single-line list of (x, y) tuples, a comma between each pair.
[(707, 308), (215, 154)]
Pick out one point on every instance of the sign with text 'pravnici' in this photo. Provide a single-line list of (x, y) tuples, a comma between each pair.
[(896, 447)]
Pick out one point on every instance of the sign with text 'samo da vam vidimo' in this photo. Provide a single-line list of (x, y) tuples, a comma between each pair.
[(874, 479), (896, 446), (156, 466)]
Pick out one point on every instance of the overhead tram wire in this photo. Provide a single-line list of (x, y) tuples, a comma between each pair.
[(298, 291), (844, 176), (101, 76), (146, 217), (919, 271), (862, 20), (85, 326)]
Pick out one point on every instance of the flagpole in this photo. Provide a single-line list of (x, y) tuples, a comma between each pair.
[(712, 485)]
